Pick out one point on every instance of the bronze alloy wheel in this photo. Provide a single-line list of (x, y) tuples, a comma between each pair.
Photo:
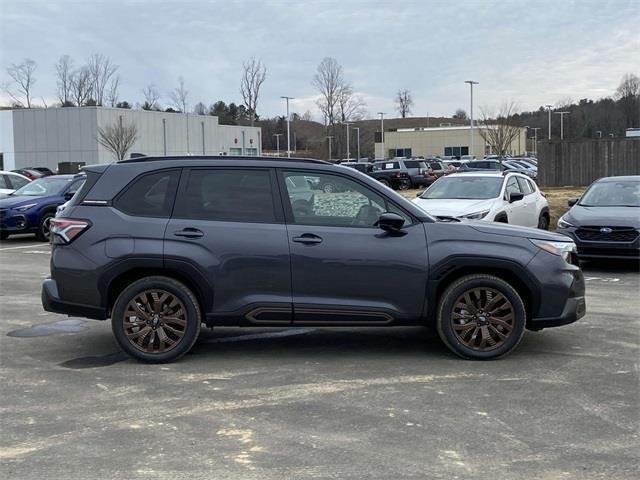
[(482, 319), (155, 321)]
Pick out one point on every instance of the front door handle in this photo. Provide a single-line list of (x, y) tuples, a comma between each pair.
[(189, 233), (308, 238)]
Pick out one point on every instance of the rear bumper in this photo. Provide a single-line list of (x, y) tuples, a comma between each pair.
[(51, 302)]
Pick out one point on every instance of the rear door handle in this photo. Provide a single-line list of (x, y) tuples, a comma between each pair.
[(189, 233), (307, 238)]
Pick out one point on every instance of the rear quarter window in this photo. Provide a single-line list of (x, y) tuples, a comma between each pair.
[(150, 195)]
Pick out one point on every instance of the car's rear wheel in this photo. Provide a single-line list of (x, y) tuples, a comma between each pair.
[(481, 317), (384, 182), (543, 221), (156, 319), (44, 227)]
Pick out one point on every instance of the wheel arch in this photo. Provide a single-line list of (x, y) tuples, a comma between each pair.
[(511, 272)]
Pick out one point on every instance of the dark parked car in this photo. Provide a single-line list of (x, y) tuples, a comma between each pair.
[(392, 173), (364, 167), (496, 165), (44, 170), (30, 173), (161, 245), (605, 221), (31, 208)]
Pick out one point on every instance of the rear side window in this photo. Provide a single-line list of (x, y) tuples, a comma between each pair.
[(525, 186), (411, 163), (229, 195), (3, 181), (16, 181), (150, 195)]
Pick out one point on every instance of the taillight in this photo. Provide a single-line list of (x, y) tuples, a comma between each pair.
[(66, 230)]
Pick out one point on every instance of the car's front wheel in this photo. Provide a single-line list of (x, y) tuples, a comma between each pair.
[(156, 319), (481, 317)]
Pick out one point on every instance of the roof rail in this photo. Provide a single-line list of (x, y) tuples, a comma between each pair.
[(219, 157)]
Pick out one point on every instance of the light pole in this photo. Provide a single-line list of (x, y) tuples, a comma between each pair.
[(549, 108), (562, 114), (330, 137), (288, 126), (471, 84), (535, 140), (358, 129), (348, 142), (278, 135), (382, 131)]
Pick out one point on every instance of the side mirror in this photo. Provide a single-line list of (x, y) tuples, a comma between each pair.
[(572, 201), (69, 195), (390, 222), (515, 197)]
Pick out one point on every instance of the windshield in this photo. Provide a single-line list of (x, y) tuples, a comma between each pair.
[(465, 188), (44, 187), (623, 193)]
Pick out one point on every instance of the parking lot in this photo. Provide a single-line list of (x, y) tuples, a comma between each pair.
[(314, 402)]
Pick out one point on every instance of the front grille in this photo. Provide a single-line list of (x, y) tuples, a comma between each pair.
[(610, 234)]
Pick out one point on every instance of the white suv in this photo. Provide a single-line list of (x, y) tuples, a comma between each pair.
[(491, 196)]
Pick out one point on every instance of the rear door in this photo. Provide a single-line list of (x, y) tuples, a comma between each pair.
[(344, 269), (228, 224)]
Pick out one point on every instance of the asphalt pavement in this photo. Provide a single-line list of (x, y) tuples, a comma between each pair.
[(370, 403)]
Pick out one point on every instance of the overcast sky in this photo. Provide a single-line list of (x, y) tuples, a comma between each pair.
[(531, 52)]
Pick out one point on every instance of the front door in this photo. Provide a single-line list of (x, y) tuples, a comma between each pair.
[(228, 224), (516, 211), (344, 269)]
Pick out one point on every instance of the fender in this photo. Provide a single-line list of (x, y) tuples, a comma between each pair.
[(457, 265)]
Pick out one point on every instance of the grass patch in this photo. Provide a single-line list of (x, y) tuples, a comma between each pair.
[(556, 196)]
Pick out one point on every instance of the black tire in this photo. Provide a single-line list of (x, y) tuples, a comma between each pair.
[(543, 221), (384, 182), (42, 234), (4, 235), (192, 320), (471, 331)]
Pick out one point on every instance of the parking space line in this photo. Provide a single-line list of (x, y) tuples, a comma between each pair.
[(21, 246)]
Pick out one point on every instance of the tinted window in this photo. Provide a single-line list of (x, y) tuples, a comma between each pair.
[(525, 186), (350, 204), (150, 195), (228, 195), (411, 163), (46, 186)]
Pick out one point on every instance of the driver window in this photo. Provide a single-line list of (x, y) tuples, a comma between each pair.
[(512, 187), (332, 200)]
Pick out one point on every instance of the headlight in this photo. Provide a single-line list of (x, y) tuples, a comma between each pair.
[(562, 249), (562, 223), (476, 215), (24, 208)]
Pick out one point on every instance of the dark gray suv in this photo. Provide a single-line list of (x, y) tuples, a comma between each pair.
[(162, 245)]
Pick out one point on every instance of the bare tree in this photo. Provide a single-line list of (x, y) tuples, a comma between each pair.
[(500, 130), (254, 74), (179, 95), (329, 81), (628, 94), (64, 71), (101, 69), (151, 97), (200, 109), (112, 92), (22, 78), (118, 138), (404, 102), (350, 106), (81, 86), (460, 114)]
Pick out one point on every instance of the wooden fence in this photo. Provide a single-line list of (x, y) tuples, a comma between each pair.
[(580, 162)]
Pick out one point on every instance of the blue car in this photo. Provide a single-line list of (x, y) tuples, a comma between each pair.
[(30, 208)]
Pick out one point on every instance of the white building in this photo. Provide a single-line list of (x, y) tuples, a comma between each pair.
[(47, 137)]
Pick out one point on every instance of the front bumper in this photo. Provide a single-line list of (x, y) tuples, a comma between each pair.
[(603, 249), (14, 223), (51, 302)]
